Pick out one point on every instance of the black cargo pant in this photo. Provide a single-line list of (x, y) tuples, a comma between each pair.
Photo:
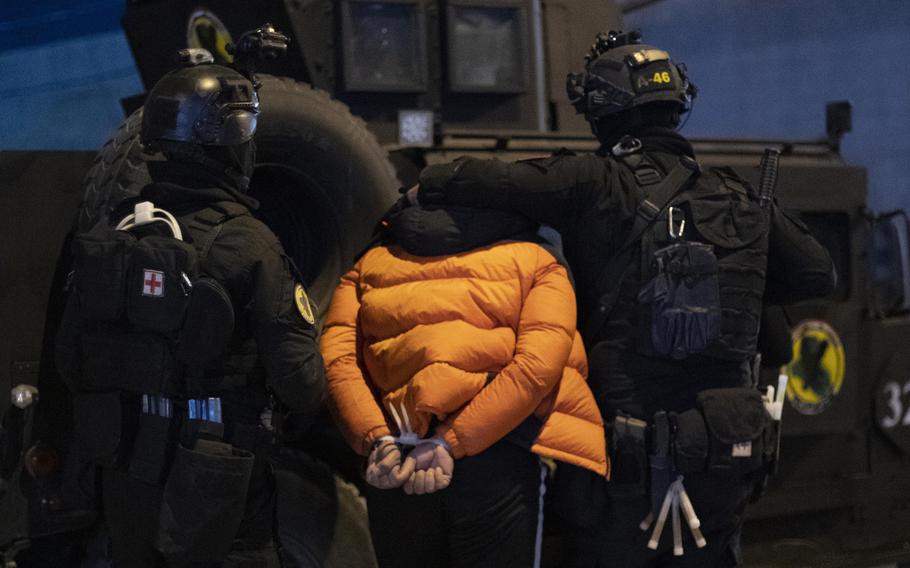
[(616, 539), (488, 517), (640, 386), (132, 511)]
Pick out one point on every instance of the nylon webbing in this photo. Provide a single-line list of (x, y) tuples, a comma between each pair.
[(617, 267), (211, 220)]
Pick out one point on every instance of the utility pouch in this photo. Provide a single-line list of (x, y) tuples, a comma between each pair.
[(690, 448), (736, 425), (101, 258), (629, 455), (137, 362), (204, 501), (160, 280), (154, 439), (681, 303), (97, 427), (209, 324)]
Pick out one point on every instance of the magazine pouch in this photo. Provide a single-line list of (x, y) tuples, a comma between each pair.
[(101, 257), (154, 437), (204, 502), (97, 427)]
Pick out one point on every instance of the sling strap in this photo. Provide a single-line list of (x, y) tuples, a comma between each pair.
[(648, 211), (210, 221)]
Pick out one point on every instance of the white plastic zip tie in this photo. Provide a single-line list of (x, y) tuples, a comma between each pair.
[(661, 519), (774, 398), (675, 499), (688, 510), (677, 530), (145, 213), (407, 437), (646, 523)]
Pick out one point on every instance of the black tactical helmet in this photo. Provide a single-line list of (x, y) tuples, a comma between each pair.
[(200, 103), (621, 73)]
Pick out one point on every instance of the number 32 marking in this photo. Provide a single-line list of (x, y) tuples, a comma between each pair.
[(895, 405)]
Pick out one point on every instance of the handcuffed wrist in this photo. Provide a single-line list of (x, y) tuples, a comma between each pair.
[(382, 440), (439, 441)]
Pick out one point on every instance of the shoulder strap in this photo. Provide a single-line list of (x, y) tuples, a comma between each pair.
[(648, 211), (210, 220)]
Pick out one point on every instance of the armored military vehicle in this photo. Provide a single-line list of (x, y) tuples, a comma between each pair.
[(370, 92)]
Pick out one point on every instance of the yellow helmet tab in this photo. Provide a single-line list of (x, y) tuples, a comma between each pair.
[(646, 56)]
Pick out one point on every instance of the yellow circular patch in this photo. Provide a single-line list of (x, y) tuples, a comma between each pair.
[(817, 368), (303, 304), (205, 30)]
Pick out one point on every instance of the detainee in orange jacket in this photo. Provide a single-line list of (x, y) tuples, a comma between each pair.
[(468, 340)]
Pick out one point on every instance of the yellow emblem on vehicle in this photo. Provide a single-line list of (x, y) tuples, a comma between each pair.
[(204, 30), (817, 368), (303, 304)]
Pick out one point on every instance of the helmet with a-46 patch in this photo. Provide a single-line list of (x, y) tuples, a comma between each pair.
[(621, 73)]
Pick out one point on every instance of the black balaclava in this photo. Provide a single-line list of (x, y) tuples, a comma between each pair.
[(233, 164), (613, 127)]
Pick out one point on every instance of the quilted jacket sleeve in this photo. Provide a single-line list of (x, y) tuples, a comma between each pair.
[(545, 331), (351, 397)]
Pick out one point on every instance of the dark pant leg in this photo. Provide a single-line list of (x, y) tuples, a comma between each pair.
[(254, 545), (131, 510), (492, 508), (618, 540), (408, 530), (719, 501)]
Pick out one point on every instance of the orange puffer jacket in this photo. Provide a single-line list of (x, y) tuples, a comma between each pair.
[(478, 341)]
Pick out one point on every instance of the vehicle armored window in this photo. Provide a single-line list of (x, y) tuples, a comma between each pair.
[(488, 47), (384, 45)]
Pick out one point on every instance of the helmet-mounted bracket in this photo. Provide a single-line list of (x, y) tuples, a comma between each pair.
[(194, 56), (604, 42), (255, 46)]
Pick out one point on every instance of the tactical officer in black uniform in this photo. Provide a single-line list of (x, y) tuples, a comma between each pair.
[(195, 332), (672, 265)]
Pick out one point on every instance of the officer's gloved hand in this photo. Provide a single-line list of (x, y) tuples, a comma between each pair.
[(384, 467), (433, 466)]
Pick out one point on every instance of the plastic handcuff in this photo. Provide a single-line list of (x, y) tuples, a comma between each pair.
[(144, 213), (676, 498), (408, 437)]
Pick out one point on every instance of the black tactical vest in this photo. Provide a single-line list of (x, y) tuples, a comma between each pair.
[(723, 245), (144, 318)]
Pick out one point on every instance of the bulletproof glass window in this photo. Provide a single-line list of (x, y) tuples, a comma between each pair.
[(890, 262), (487, 48), (832, 230), (384, 46)]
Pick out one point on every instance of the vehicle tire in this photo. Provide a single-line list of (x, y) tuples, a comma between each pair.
[(321, 178)]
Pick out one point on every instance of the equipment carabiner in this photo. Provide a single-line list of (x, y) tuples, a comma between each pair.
[(672, 229)]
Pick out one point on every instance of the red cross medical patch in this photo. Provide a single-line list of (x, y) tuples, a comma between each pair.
[(153, 283)]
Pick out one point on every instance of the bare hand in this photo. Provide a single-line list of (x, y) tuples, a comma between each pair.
[(432, 466), (384, 467)]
